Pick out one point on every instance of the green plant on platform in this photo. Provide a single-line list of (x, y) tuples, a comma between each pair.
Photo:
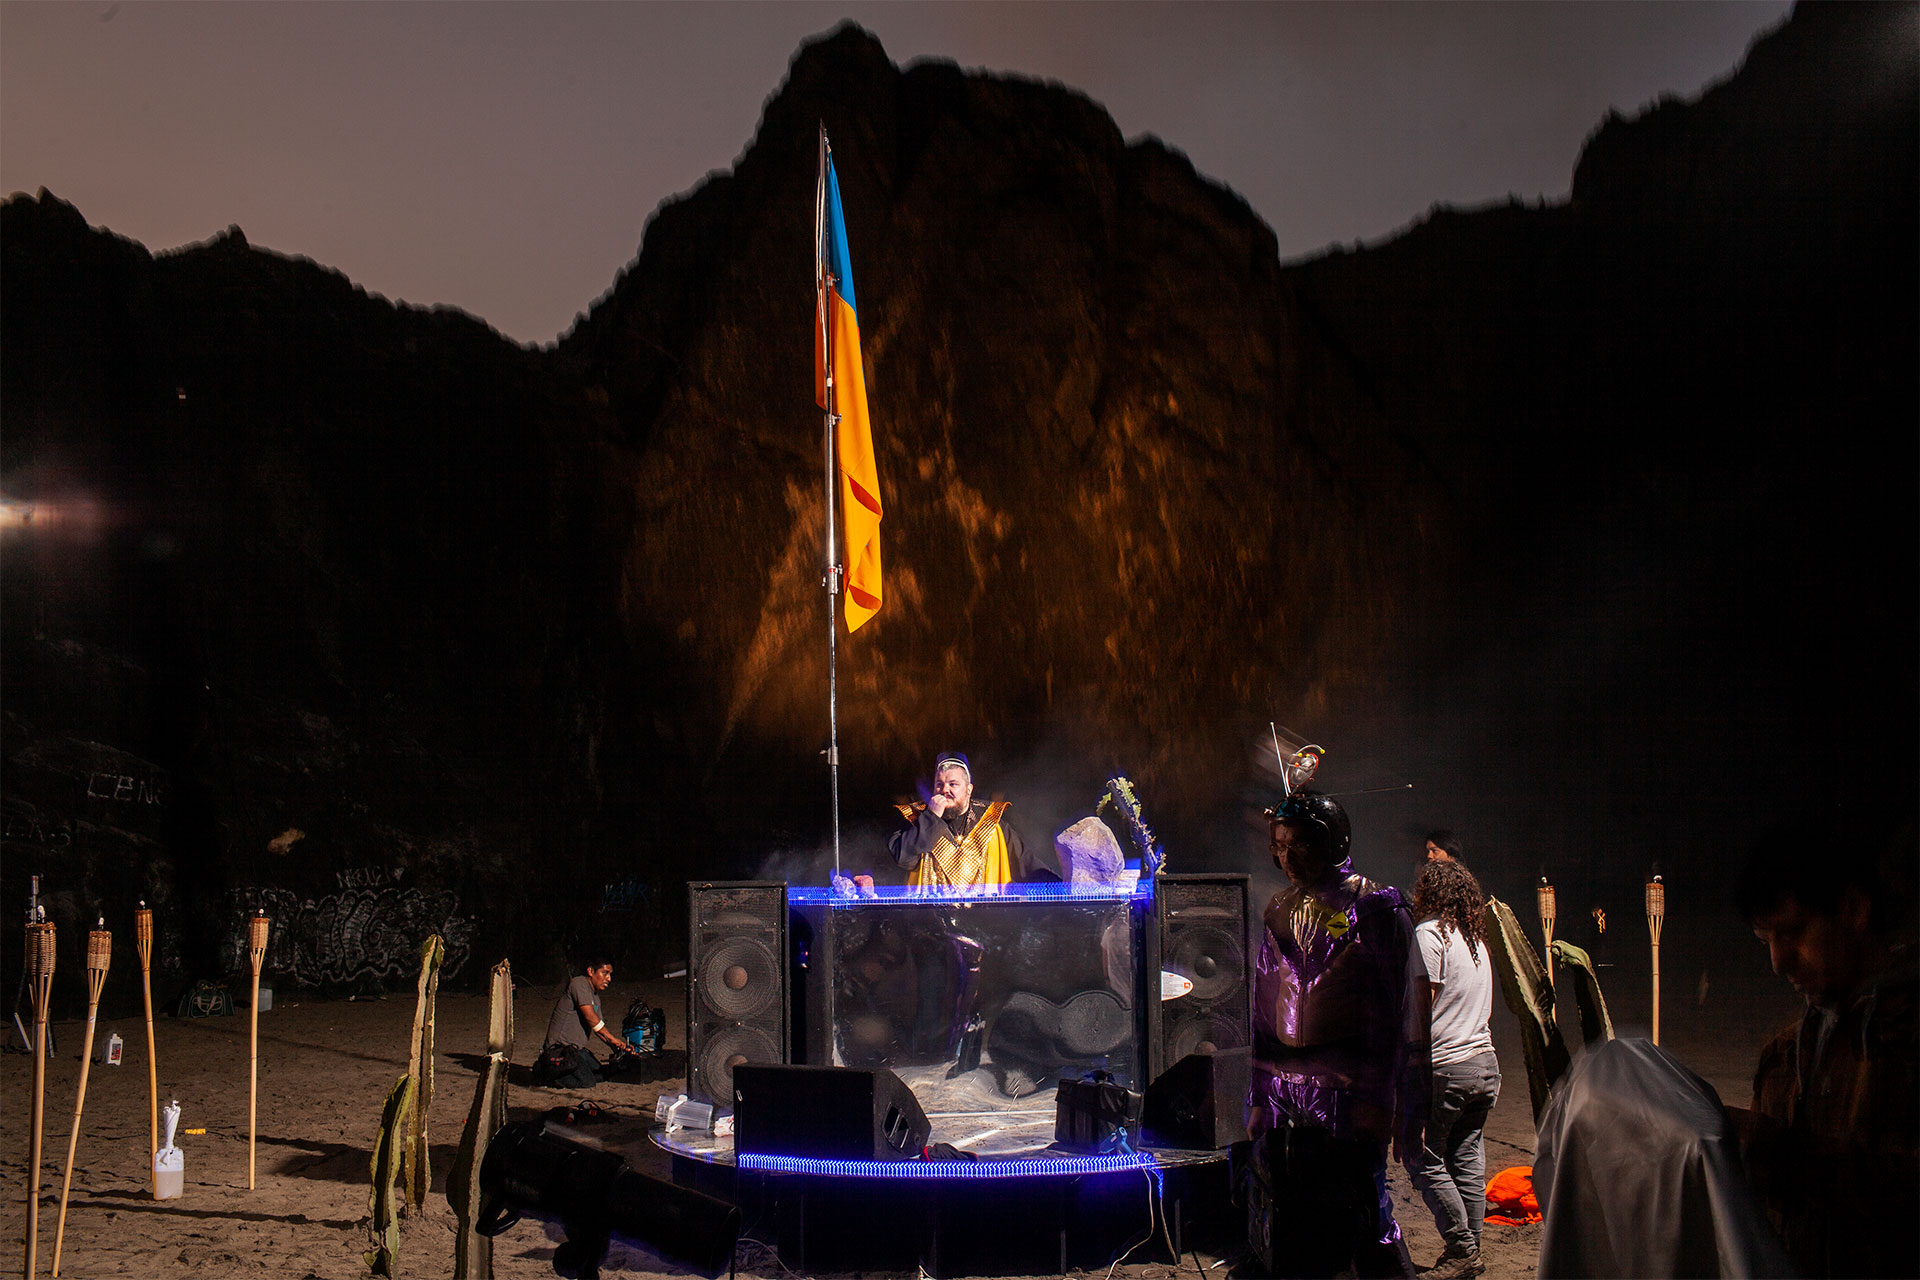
[(473, 1252), (385, 1226), (415, 1174)]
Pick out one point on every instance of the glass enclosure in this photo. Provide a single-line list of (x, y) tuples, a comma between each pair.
[(981, 1003)]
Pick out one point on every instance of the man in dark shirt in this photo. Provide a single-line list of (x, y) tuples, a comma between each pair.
[(1444, 846), (1834, 1135), (576, 1023)]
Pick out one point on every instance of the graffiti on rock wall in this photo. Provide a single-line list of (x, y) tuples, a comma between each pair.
[(367, 877), (354, 936), (126, 788), (624, 895), (21, 822), (103, 772)]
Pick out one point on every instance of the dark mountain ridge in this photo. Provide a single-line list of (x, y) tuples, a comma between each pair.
[(1587, 518)]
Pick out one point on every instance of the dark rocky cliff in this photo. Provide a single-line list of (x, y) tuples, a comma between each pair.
[(1102, 510), (289, 571), (1679, 415), (1584, 516)]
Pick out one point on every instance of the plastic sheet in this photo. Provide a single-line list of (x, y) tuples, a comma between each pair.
[(1638, 1173)]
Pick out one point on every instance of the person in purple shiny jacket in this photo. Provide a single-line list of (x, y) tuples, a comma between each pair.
[(1330, 1030)]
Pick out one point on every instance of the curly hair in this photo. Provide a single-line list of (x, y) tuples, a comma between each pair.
[(1447, 892)]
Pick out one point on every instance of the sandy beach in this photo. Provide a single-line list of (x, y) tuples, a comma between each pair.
[(325, 1068)]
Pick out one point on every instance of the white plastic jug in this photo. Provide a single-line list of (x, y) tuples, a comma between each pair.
[(108, 1051)]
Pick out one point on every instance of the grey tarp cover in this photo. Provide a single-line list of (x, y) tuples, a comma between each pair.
[(1638, 1172)]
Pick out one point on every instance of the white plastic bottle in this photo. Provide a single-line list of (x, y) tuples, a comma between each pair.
[(169, 1162)]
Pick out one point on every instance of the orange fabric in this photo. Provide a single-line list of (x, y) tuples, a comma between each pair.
[(1510, 1194), (836, 324), (859, 476)]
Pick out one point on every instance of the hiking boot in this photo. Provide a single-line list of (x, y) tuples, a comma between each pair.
[(1455, 1266)]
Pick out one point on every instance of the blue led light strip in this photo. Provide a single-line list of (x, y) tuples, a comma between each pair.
[(1044, 1167)]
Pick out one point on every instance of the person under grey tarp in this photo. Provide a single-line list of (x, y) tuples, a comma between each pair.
[(1638, 1173)]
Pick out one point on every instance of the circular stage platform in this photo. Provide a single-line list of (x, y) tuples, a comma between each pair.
[(1022, 1207)]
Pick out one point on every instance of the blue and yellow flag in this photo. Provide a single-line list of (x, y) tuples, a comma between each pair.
[(837, 325)]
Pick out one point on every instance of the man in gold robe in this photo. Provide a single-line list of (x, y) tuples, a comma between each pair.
[(952, 842)]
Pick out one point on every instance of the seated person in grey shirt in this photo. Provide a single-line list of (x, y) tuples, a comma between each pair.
[(567, 1061)]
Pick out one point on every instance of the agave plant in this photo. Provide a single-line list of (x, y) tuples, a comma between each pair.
[(415, 1175), (385, 1167), (473, 1252), (1529, 993)]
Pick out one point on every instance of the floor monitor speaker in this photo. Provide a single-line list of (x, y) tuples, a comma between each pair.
[(1200, 1102), (829, 1113)]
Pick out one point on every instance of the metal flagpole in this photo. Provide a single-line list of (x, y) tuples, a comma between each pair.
[(832, 582)]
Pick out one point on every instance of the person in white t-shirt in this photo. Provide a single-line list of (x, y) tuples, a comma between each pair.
[(1450, 1167)]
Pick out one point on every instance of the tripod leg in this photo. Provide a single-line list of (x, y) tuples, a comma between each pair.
[(19, 1027)]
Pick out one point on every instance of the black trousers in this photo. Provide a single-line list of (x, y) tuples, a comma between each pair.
[(1318, 1205), (563, 1066)]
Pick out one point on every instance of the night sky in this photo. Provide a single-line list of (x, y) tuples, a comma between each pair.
[(503, 159)]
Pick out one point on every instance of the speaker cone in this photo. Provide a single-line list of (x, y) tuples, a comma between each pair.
[(726, 1048), (1211, 956), (1203, 1034), (738, 977)]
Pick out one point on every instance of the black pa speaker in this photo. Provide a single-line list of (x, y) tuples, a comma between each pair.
[(736, 981), (1202, 932), (1200, 1102), (830, 1113)]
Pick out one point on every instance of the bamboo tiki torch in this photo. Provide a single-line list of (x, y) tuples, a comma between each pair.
[(1656, 916), (99, 957), (143, 935), (257, 929), (40, 973), (1544, 894)]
